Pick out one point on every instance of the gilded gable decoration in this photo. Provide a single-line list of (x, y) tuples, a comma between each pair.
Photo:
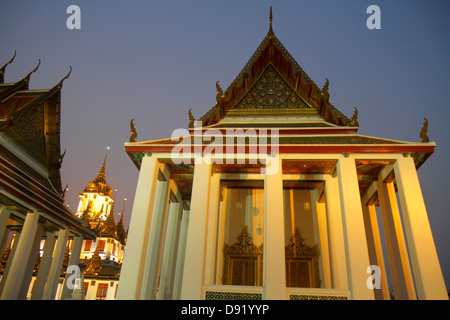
[(271, 94)]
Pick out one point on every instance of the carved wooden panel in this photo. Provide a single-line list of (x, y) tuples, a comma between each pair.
[(302, 266), (243, 262)]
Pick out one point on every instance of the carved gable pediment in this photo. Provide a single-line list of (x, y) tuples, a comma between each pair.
[(271, 95)]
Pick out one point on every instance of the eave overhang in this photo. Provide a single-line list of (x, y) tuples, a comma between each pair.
[(28, 193), (420, 151)]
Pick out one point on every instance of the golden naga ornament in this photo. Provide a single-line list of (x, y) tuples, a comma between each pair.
[(133, 131), (424, 131), (191, 119), (354, 119)]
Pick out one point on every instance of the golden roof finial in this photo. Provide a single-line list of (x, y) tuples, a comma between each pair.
[(27, 78), (59, 85), (424, 131), (354, 119), (191, 119), (99, 184), (270, 34), (2, 69), (132, 131), (270, 16)]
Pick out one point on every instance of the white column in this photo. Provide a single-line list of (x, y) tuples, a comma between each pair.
[(73, 260), (4, 217), (338, 262), (133, 264), (274, 258), (16, 273), (173, 264), (180, 255), (321, 235), (152, 269), (193, 274), (354, 235), (424, 260), (56, 267), (15, 239), (169, 253), (44, 267), (375, 250), (211, 244), (221, 233), (401, 275), (30, 264)]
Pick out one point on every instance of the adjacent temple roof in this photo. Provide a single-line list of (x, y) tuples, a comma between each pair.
[(30, 150), (32, 119), (272, 83), (107, 228)]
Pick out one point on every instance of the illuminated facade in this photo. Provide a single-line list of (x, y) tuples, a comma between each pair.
[(39, 236), (273, 194), (101, 258)]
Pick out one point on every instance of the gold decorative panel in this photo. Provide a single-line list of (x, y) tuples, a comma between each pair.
[(243, 261), (272, 93), (302, 266)]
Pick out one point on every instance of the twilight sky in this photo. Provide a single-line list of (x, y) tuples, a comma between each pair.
[(154, 60)]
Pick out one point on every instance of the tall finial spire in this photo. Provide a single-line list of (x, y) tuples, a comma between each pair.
[(270, 16), (102, 170), (270, 34)]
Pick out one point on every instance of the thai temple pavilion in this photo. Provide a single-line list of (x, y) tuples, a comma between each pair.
[(101, 259), (39, 236), (272, 194)]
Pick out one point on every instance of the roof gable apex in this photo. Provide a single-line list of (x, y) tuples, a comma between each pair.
[(272, 52)]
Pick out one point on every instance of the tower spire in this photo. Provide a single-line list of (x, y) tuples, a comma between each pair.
[(120, 231), (102, 170)]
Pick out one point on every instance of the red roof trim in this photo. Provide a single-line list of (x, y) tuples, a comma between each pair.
[(283, 131), (361, 148)]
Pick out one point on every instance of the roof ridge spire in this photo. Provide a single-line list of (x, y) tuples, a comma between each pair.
[(270, 34), (102, 173), (99, 184)]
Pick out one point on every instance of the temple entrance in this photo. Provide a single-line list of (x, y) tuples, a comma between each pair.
[(240, 254)]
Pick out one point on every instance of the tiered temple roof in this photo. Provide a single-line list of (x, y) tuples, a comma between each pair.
[(273, 92), (31, 158), (99, 184), (107, 228)]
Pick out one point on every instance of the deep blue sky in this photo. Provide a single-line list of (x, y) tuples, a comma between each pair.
[(153, 60)]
